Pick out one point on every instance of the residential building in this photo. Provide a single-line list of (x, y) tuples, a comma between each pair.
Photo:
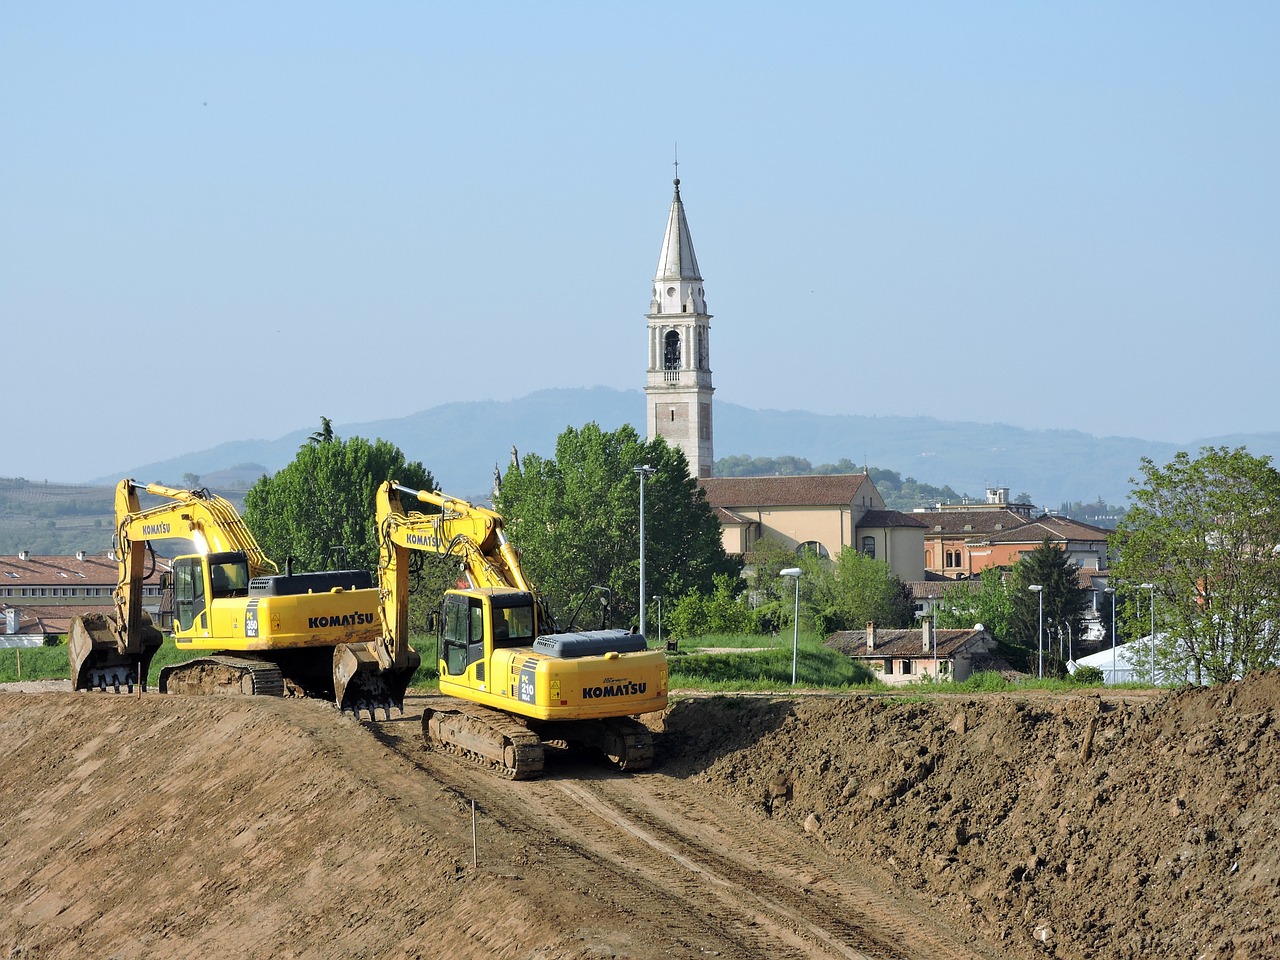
[(907, 656), (42, 595), (950, 532), (1084, 543)]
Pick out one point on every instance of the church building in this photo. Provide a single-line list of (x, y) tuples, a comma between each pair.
[(824, 514)]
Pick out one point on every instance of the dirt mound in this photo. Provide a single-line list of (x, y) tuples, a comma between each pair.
[(1075, 827), (1072, 827), (235, 827)]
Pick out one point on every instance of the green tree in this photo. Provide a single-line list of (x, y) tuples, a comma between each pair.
[(985, 600), (325, 434), (853, 591), (1064, 602), (576, 519), (721, 611), (319, 509), (1204, 532)]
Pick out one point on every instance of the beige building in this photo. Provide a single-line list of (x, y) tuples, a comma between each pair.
[(824, 514)]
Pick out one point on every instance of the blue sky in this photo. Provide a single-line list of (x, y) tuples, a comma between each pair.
[(223, 221)]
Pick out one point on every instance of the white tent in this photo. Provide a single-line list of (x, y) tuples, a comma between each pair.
[(1120, 666)]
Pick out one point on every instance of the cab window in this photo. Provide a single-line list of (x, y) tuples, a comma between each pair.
[(512, 626)]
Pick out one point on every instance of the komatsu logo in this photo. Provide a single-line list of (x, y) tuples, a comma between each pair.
[(422, 540), (623, 689), (154, 529), (345, 620)]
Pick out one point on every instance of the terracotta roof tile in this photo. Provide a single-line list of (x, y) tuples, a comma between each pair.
[(889, 518), (901, 643), (809, 491), (966, 523), (38, 571), (1054, 528)]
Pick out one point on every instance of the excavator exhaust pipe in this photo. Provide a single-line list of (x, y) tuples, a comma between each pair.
[(93, 648), (361, 681)]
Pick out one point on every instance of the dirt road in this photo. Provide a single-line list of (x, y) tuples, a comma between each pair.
[(957, 828)]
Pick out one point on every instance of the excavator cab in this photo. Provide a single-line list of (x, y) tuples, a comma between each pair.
[(508, 615), (199, 579)]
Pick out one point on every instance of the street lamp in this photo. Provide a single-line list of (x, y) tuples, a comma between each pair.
[(1038, 590), (1112, 591), (1152, 588), (795, 640), (644, 471)]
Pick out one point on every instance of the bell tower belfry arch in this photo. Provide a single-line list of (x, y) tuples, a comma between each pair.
[(678, 388)]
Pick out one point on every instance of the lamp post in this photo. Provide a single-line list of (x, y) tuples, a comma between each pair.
[(1152, 588), (658, 601), (1038, 590), (644, 471), (1112, 591), (795, 640)]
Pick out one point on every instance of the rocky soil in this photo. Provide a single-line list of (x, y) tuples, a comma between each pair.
[(1118, 826)]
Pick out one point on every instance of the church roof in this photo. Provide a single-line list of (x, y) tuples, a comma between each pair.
[(677, 261), (826, 490)]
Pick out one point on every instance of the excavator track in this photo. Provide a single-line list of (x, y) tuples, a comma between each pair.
[(623, 741), (487, 737), (223, 674)]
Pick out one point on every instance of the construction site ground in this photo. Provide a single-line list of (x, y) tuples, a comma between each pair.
[(1113, 825)]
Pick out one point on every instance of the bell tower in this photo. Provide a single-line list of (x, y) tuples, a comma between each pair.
[(678, 388)]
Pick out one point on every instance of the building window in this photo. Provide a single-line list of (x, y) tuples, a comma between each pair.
[(869, 546), (814, 547), (906, 667), (888, 666)]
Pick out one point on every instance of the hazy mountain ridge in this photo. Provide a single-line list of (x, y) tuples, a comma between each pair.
[(462, 442)]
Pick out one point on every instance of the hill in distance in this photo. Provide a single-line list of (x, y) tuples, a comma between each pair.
[(461, 444)]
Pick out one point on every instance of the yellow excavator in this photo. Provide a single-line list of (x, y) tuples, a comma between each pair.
[(510, 681), (273, 633)]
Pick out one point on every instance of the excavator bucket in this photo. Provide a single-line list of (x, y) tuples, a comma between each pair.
[(96, 660), (362, 682)]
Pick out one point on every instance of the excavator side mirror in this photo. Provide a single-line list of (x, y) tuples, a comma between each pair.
[(433, 622)]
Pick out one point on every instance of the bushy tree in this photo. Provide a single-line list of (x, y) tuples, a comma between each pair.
[(985, 600), (722, 611), (1205, 533), (319, 509), (853, 591), (576, 519)]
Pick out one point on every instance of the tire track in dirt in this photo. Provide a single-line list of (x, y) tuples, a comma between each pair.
[(669, 845)]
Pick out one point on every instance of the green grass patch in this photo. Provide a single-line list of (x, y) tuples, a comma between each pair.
[(767, 665), (33, 663)]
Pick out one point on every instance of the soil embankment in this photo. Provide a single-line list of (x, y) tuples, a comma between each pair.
[(952, 827)]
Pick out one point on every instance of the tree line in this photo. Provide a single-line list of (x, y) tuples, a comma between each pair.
[(1199, 551)]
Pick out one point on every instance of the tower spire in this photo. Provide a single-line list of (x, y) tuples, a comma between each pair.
[(678, 389)]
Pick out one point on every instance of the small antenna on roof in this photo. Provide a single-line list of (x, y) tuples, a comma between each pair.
[(676, 152)]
